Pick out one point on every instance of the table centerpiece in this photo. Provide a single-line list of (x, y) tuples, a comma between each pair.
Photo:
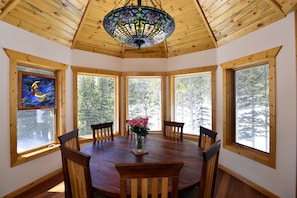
[(138, 125)]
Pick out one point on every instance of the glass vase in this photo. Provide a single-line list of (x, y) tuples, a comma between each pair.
[(139, 143)]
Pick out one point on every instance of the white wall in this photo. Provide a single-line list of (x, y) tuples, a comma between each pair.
[(93, 60), (279, 33), (204, 58), (281, 180), (19, 40)]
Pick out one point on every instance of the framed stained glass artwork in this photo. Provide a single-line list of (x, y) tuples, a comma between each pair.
[(36, 91)]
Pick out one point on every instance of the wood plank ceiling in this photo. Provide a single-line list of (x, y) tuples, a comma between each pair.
[(200, 24)]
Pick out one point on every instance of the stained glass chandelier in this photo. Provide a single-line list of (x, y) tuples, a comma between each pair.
[(139, 26)]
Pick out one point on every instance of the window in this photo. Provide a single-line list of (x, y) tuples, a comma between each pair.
[(144, 98), (252, 107), (35, 126), (249, 106), (193, 96), (193, 101), (95, 98), (34, 130)]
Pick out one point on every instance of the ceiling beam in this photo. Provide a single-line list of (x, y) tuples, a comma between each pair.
[(291, 8), (79, 28), (274, 4), (8, 8), (199, 9)]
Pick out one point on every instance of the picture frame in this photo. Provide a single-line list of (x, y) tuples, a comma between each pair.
[(36, 91)]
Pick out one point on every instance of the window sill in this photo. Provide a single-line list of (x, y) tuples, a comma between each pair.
[(22, 158), (258, 156)]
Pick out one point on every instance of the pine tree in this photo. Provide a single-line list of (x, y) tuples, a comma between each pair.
[(96, 98), (252, 99)]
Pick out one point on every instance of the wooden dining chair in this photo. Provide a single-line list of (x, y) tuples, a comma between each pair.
[(173, 129), (209, 170), (207, 137), (70, 139), (77, 170), (128, 131), (149, 178), (102, 131)]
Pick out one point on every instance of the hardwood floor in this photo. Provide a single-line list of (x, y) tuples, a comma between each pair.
[(226, 187)]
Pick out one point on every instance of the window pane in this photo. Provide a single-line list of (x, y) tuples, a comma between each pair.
[(96, 101), (252, 107), (35, 128), (144, 99), (193, 102)]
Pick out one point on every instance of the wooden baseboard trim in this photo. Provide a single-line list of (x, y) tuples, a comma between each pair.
[(34, 184), (248, 182)]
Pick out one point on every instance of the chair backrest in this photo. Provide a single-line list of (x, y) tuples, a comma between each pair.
[(209, 170), (207, 137), (149, 178), (102, 131), (173, 129), (70, 139), (76, 165)]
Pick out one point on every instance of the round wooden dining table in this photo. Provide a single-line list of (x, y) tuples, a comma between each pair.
[(104, 156)]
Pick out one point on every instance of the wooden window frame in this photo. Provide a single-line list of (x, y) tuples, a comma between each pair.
[(96, 72), (27, 60), (192, 71), (145, 75), (228, 68)]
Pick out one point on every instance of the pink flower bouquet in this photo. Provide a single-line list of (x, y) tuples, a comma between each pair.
[(139, 126)]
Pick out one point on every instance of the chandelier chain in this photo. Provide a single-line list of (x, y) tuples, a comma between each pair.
[(158, 3), (116, 4), (127, 2)]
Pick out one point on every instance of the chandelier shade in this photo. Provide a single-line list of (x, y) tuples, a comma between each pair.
[(139, 26)]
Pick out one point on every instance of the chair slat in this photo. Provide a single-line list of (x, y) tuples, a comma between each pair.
[(155, 183), (134, 188), (165, 187), (144, 187)]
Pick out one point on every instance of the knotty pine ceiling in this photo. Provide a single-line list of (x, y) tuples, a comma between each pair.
[(200, 24)]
